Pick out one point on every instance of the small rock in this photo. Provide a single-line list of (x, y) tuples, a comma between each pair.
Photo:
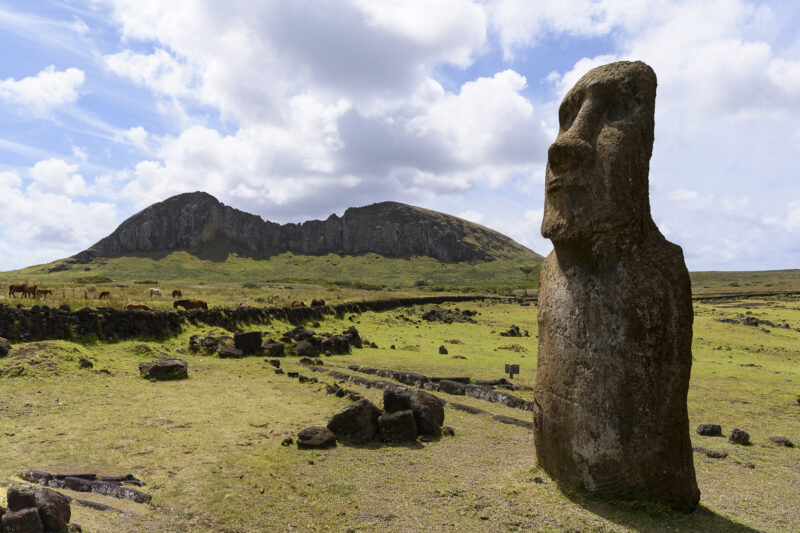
[(739, 436), (447, 431), (5, 347), (716, 455), (275, 362), (85, 363), (781, 441), (279, 371), (709, 430), (229, 352), (164, 369), (442, 350), (288, 441), (316, 437)]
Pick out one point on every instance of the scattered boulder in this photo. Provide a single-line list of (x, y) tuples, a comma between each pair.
[(5, 347), (428, 410), (448, 316), (452, 387), (249, 343), (316, 437), (85, 363), (447, 431), (279, 371), (337, 344), (739, 436), (709, 430), (274, 349), (442, 350), (229, 352), (288, 441), (78, 484), (397, 427), (356, 423), (51, 509), (781, 441), (306, 348), (164, 369), (207, 344), (23, 521), (275, 362), (514, 331), (716, 455)]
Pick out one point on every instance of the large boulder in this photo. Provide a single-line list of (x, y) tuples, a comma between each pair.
[(306, 348), (249, 343), (615, 305), (51, 507), (229, 352), (337, 344), (397, 427), (164, 369), (5, 347), (356, 423), (274, 349), (452, 387), (428, 410), (316, 437), (22, 521)]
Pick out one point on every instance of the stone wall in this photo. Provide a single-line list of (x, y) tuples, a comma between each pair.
[(41, 322)]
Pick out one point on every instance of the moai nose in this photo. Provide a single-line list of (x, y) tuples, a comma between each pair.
[(568, 152)]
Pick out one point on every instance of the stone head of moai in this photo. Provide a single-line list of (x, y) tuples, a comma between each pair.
[(596, 181)]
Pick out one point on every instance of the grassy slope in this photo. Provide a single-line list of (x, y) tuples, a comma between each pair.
[(208, 445), (367, 269)]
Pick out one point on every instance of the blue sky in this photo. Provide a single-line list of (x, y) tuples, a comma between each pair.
[(295, 109)]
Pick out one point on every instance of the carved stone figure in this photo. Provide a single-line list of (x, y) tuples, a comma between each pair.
[(615, 310)]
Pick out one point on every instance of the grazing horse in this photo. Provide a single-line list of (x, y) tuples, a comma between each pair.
[(298, 303), (243, 305), (154, 292), (176, 293), (318, 302), (14, 288), (104, 295), (190, 304), (137, 307), (29, 290), (43, 292)]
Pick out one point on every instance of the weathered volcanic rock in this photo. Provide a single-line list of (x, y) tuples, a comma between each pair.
[(5, 347), (316, 437), (199, 222), (709, 430), (164, 369), (52, 507), (249, 342), (229, 352), (22, 521), (782, 441), (615, 315), (356, 423), (428, 410), (739, 436), (306, 348), (397, 427)]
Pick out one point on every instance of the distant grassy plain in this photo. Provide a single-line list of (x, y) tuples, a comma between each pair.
[(209, 447)]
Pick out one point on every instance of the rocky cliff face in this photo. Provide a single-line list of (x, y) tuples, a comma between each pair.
[(193, 220)]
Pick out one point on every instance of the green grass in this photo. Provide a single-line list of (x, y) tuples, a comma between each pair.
[(207, 446), (369, 271)]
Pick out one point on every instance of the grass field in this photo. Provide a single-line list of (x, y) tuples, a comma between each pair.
[(209, 447)]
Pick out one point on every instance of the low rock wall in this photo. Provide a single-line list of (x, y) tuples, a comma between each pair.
[(41, 322)]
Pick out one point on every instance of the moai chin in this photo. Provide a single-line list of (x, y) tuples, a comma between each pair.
[(615, 309)]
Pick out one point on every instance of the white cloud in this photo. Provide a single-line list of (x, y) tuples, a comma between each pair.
[(57, 176), (136, 136), (159, 71), (79, 153), (37, 225), (45, 92), (472, 215)]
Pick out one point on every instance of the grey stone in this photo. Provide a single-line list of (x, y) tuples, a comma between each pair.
[(781, 441), (615, 315), (316, 437), (709, 430), (356, 423), (739, 436), (229, 352), (306, 348), (164, 369), (397, 427)]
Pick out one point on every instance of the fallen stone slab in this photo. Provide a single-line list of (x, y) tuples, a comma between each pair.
[(357, 423), (316, 437), (166, 368), (709, 430), (397, 427), (229, 352)]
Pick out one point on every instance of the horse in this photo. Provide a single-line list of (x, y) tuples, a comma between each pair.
[(243, 305), (176, 293), (104, 295), (15, 288), (298, 303), (137, 307), (30, 290), (154, 292), (318, 302), (43, 292), (190, 304)]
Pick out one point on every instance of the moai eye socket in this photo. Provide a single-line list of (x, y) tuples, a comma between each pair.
[(623, 108), (567, 113)]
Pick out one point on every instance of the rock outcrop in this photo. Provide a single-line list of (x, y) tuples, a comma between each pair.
[(198, 222), (615, 315)]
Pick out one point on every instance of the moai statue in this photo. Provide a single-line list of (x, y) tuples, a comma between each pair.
[(615, 308)]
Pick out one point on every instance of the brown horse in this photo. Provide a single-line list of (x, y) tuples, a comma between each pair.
[(176, 293), (317, 302), (137, 307), (243, 305), (190, 304), (104, 294), (41, 293), (15, 288), (30, 290), (298, 303)]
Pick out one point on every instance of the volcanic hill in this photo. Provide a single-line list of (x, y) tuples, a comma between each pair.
[(197, 222)]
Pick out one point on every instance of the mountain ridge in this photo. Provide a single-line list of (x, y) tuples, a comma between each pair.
[(192, 221)]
